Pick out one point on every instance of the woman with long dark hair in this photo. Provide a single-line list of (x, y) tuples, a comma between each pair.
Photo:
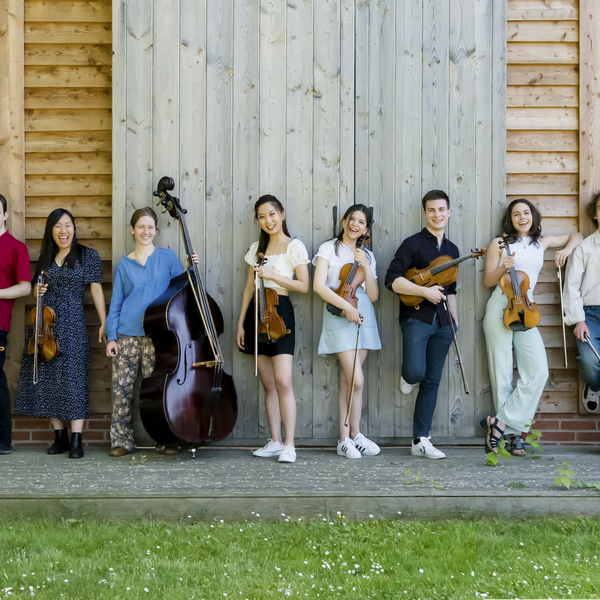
[(285, 271), (515, 407), (62, 391), (339, 333)]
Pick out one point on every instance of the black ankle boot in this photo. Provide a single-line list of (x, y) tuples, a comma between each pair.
[(76, 447), (61, 442)]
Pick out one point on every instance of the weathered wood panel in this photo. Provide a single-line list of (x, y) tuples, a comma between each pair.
[(323, 104), (560, 53), (67, 99), (543, 96), (536, 10), (12, 175), (542, 162), (542, 118), (542, 141), (544, 31), (543, 74)]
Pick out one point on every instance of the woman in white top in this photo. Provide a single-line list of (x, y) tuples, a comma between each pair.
[(339, 333), (285, 270), (515, 407)]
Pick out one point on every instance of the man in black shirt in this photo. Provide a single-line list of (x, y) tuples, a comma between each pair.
[(426, 335)]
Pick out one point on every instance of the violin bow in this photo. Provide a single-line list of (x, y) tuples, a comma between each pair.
[(586, 337), (351, 394), (255, 324), (452, 323), (562, 311)]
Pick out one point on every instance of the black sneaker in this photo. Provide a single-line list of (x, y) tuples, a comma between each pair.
[(591, 400), (5, 449)]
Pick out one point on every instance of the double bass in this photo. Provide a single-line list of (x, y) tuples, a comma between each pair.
[(188, 400)]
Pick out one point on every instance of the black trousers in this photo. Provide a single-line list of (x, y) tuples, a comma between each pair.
[(5, 431)]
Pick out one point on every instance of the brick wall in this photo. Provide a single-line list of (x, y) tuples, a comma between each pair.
[(34, 431), (568, 429)]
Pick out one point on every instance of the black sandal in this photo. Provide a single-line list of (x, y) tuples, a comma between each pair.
[(491, 440), (516, 444)]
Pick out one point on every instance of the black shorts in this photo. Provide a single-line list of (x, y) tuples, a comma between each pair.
[(285, 344)]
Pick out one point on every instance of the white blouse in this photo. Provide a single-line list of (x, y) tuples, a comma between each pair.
[(337, 261), (283, 264)]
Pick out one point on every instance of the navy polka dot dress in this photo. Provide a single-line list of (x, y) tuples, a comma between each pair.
[(62, 391)]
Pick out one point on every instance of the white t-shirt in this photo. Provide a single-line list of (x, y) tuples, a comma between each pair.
[(283, 264), (529, 258), (337, 261)]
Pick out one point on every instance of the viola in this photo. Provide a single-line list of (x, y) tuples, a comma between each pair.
[(188, 400), (352, 276), (441, 271), (42, 343), (521, 314), (270, 326)]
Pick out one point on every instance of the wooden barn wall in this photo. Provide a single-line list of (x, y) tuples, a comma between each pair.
[(322, 103), (542, 159), (66, 90)]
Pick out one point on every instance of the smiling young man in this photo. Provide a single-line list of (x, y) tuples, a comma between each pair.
[(582, 306), (15, 281), (426, 335)]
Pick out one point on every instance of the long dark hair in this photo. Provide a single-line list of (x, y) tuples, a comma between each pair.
[(349, 212), (263, 238), (508, 229), (50, 249)]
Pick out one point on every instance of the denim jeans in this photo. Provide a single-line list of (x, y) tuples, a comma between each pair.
[(588, 363), (424, 350), (5, 431)]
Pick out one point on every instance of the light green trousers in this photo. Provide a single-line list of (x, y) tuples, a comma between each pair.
[(514, 406)]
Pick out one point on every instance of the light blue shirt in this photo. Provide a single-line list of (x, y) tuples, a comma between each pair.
[(135, 287)]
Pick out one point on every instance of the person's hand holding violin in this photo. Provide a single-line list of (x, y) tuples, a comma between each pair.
[(435, 293), (40, 290), (265, 272), (508, 261), (360, 256), (194, 259)]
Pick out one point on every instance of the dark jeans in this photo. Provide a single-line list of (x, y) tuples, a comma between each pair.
[(424, 350), (588, 363), (5, 433)]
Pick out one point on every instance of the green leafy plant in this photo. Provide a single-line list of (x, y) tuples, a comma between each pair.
[(492, 459), (139, 461), (517, 484), (566, 477), (419, 479)]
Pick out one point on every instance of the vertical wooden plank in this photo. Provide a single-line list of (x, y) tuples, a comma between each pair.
[(119, 129), (219, 69), (361, 102), (408, 74), (462, 192), (138, 94), (589, 111), (246, 144), (272, 97), (12, 158), (435, 135), (484, 196), (377, 404), (325, 193), (166, 109), (192, 128), (298, 194)]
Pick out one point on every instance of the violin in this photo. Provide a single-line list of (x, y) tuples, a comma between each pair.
[(441, 271), (188, 400), (270, 326), (42, 342), (352, 276), (520, 314)]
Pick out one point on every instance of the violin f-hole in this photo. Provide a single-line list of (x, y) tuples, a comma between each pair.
[(188, 346)]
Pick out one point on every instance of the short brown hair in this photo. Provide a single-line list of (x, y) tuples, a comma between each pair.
[(591, 208), (4, 203)]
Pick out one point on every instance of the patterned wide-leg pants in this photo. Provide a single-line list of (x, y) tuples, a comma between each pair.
[(134, 352)]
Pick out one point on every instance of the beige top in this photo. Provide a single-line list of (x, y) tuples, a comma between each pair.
[(582, 283), (283, 264)]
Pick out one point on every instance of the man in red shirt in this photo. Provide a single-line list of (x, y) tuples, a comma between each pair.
[(15, 281)]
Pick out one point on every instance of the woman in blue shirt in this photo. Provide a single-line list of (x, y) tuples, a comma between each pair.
[(140, 278)]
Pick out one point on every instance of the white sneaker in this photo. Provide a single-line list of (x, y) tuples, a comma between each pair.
[(405, 387), (348, 449), (288, 454), (365, 446), (591, 400), (270, 449), (425, 448)]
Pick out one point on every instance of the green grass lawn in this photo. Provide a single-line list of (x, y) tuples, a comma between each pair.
[(551, 558)]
